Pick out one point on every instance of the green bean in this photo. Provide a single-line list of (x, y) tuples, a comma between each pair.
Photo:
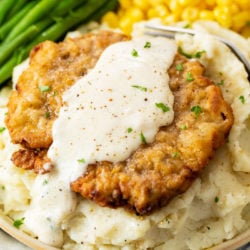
[(37, 13)]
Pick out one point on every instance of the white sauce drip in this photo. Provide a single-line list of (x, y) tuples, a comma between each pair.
[(96, 121)]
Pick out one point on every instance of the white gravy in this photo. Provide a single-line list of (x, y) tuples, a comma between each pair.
[(107, 114)]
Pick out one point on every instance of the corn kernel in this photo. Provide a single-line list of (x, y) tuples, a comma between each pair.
[(206, 15), (240, 20), (188, 2), (210, 3), (190, 14), (223, 17), (126, 25), (246, 31), (125, 4), (244, 4), (152, 13), (173, 5), (111, 19), (135, 14), (224, 2), (142, 4), (157, 2), (162, 10), (170, 19)]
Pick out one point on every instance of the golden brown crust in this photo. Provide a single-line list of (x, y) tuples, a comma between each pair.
[(31, 112), (32, 159), (157, 172)]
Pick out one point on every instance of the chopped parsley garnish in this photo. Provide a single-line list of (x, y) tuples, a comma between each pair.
[(162, 106), (198, 54), (147, 45), (186, 26), (183, 127), (220, 83), (189, 77), (81, 160), (134, 53), (2, 129), (181, 51), (140, 88), (47, 114), (45, 182), (18, 223), (143, 139), (242, 99), (3, 187), (129, 130), (175, 154), (179, 67), (216, 199), (44, 88), (197, 110)]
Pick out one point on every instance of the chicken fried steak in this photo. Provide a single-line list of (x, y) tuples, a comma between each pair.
[(34, 105), (157, 172)]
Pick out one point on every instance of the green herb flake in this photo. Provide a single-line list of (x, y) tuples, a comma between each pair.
[(47, 114), (179, 67), (183, 127), (198, 54), (129, 130), (81, 160), (2, 129), (189, 77), (186, 26), (196, 110), (18, 223), (144, 89), (45, 182), (216, 199), (181, 51), (3, 187), (147, 45), (162, 106), (134, 53), (44, 88), (175, 154), (220, 83), (143, 139), (242, 99)]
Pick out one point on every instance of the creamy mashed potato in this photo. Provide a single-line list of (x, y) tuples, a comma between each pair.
[(214, 209)]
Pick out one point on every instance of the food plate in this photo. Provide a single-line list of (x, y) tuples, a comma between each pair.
[(211, 200), (239, 242)]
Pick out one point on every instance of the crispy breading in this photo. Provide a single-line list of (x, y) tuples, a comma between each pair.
[(34, 105), (154, 173), (157, 172)]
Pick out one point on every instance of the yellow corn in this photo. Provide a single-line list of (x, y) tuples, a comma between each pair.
[(232, 14)]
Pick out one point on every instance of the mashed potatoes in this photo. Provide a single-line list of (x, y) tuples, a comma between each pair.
[(216, 207)]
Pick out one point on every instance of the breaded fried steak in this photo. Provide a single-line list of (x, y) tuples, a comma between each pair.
[(34, 105), (155, 172)]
